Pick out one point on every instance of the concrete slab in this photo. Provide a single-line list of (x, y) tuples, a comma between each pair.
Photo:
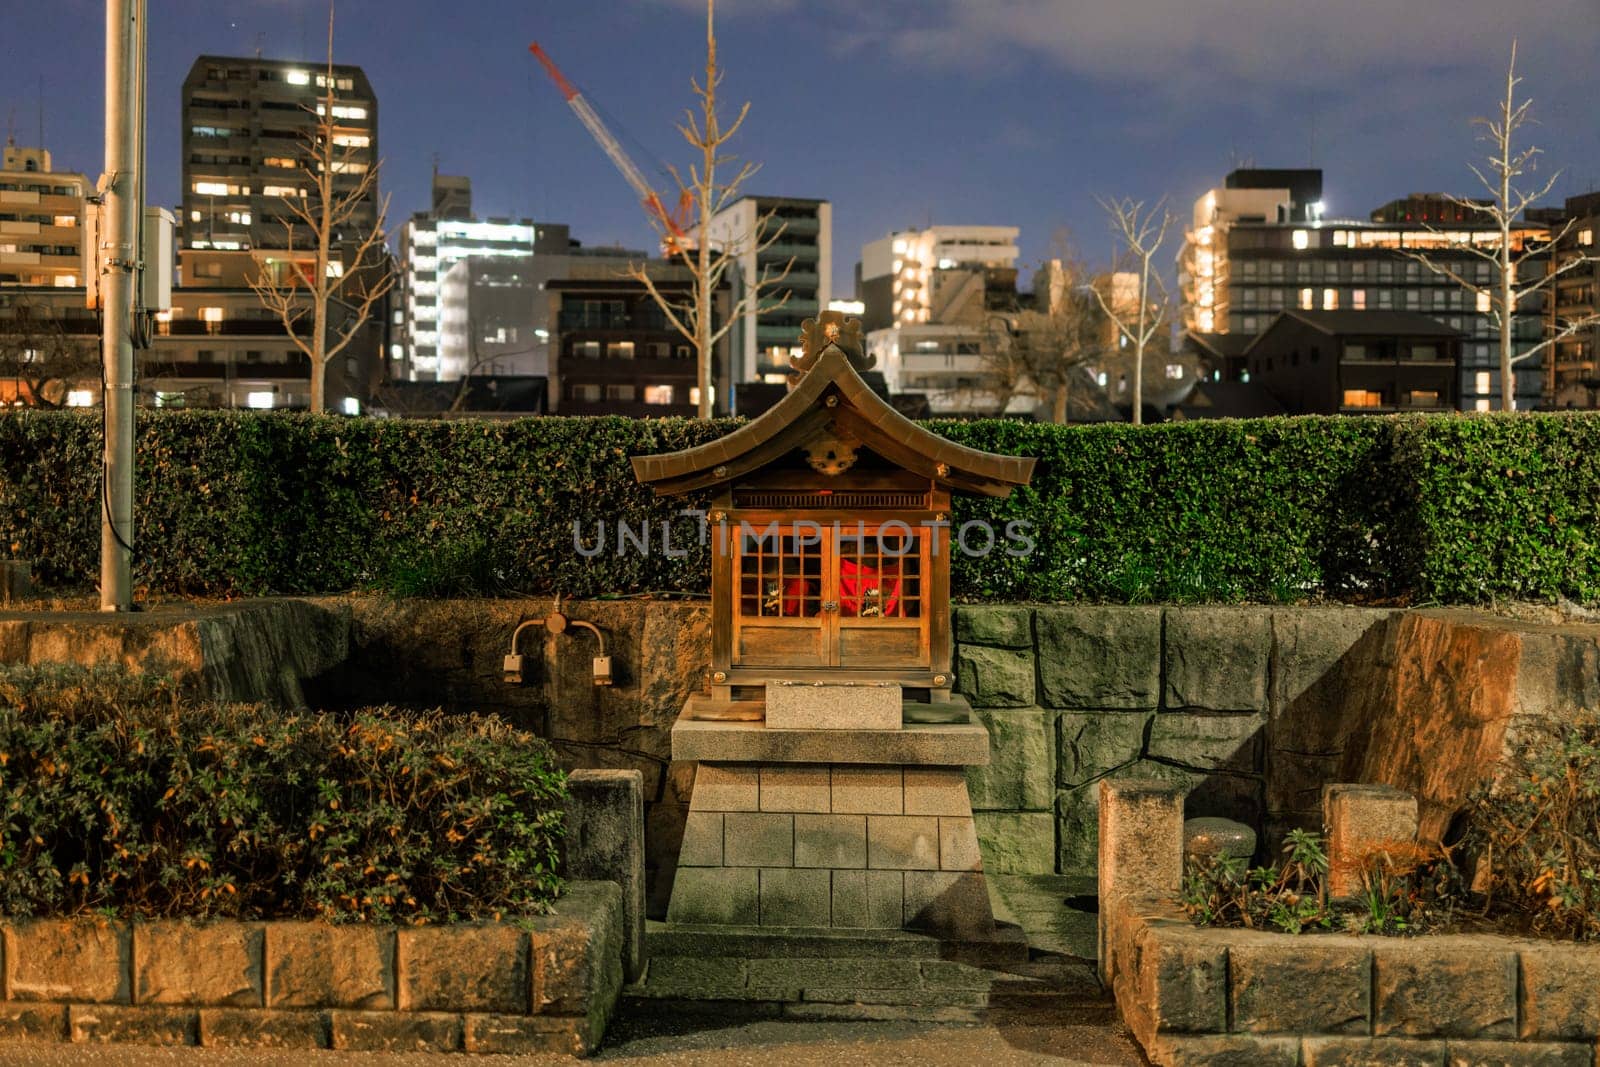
[(935, 745)]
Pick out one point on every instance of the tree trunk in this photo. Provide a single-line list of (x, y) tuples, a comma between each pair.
[(1058, 415), (1508, 379)]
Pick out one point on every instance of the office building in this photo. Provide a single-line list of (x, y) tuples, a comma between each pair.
[(1572, 366), (1255, 250), (248, 130), (762, 345), (41, 221), (915, 276)]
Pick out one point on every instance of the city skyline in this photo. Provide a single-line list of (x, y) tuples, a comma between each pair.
[(942, 116)]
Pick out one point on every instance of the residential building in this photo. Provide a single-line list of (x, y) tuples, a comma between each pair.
[(615, 352), (1254, 251), (249, 126), (436, 240), (41, 221), (491, 317), (1572, 366), (1356, 362), (940, 305), (762, 345)]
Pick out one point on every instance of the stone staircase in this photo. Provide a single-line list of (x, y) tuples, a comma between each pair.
[(765, 972)]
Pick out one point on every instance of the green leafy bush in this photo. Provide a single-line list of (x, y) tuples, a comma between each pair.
[(1456, 509), (1537, 828), (120, 796), (1292, 897)]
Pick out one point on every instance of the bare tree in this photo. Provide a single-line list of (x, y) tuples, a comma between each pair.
[(1510, 286), (710, 257), (1045, 347), (1141, 232), (42, 358), (361, 276)]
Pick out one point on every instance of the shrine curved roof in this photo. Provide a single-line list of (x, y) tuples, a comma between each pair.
[(857, 411)]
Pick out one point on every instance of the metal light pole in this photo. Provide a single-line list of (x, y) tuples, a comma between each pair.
[(119, 252)]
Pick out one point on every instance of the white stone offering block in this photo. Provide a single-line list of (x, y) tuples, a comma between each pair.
[(833, 706)]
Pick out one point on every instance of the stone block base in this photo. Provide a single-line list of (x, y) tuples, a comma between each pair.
[(800, 706), (832, 846)]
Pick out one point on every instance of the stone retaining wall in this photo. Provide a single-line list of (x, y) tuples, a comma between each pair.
[(547, 985), (1206, 996)]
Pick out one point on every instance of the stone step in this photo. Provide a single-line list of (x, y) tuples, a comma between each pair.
[(1008, 945)]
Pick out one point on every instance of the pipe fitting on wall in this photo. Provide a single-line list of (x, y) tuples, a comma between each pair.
[(555, 624)]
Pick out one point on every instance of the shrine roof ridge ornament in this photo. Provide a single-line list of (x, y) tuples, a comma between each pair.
[(828, 397)]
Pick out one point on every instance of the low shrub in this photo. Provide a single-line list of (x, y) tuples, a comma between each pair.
[(1224, 890), (120, 796), (1536, 829), (1405, 887), (1454, 509)]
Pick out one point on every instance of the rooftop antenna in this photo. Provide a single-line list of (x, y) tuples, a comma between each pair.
[(41, 111), (11, 128), (261, 36)]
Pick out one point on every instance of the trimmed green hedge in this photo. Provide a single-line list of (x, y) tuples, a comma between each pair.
[(121, 795), (1423, 508)]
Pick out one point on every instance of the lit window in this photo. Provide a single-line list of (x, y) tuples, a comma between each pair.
[(1358, 300), (211, 188), (658, 394), (1101, 378), (1483, 301), (899, 249), (351, 406), (352, 140), (694, 394), (296, 77), (281, 190), (1362, 398), (335, 269), (283, 162), (1306, 297), (1302, 239), (1174, 370), (1480, 382), (210, 314), (1586, 237), (261, 401), (194, 216), (1330, 300), (344, 111)]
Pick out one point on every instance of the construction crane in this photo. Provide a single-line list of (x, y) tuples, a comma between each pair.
[(673, 236)]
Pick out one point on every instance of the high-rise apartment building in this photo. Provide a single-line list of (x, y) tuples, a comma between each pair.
[(1572, 366), (41, 221), (248, 128), (435, 241), (1256, 249), (940, 304), (764, 344)]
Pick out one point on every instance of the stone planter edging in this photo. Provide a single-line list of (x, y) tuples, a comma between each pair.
[(547, 984), (1194, 995)]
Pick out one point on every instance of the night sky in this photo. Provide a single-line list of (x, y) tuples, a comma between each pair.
[(901, 112)]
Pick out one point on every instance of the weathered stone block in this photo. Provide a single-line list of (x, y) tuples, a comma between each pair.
[(1183, 979), (726, 787), (1560, 992), (1021, 774), (1225, 1050), (576, 952), (1216, 658), (1357, 817), (605, 842), (903, 842), (850, 899), (1322, 986), (758, 839), (315, 965), (885, 900), (936, 791), (212, 964), (1207, 837), (389, 1031), (830, 840), (700, 977), (1017, 842), (1519, 1054), (702, 840), (1078, 831), (868, 790), (926, 745), (800, 706), (795, 897), (716, 895), (254, 1028), (23, 1023), (145, 1024), (795, 788), (958, 845), (530, 1035), (1140, 854), (995, 677), (1445, 987), (994, 625), (859, 974), (463, 968), (1372, 1052), (949, 903), (1098, 657), (86, 960), (1094, 744), (16, 582), (1208, 743)]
